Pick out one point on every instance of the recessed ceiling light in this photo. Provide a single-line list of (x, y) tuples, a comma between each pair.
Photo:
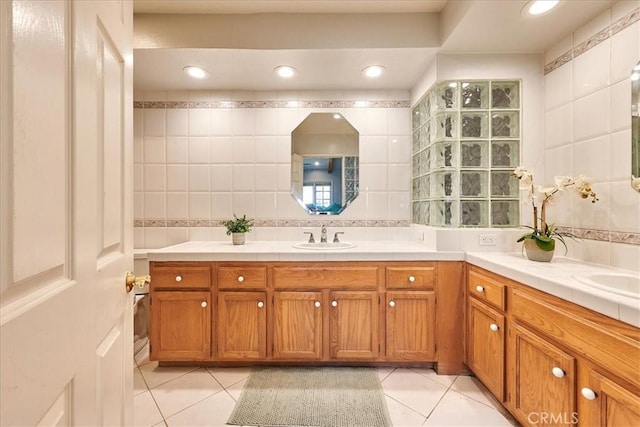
[(538, 7), (337, 116), (285, 71), (373, 71), (196, 72)]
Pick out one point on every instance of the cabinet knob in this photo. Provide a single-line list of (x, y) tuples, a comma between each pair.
[(392, 303), (493, 327), (480, 288), (557, 372), (316, 304), (240, 279), (260, 304), (334, 303), (178, 278), (203, 304), (412, 279), (588, 394)]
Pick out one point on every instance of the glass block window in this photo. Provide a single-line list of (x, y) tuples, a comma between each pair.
[(466, 142)]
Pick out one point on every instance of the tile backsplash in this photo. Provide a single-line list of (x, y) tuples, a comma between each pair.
[(588, 131), (201, 156)]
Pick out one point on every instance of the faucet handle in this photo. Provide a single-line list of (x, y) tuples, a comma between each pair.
[(335, 237), (311, 239)]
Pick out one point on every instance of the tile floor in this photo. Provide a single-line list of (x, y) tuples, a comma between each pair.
[(189, 396)]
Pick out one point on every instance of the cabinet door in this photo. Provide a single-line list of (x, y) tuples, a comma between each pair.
[(542, 380), (411, 325), (297, 325), (605, 402), (353, 325), (242, 325), (180, 327), (485, 346)]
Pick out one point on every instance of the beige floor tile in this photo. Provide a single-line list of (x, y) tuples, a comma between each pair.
[(139, 386), (228, 376), (413, 390), (458, 410), (155, 375), (235, 390), (401, 415), (213, 411), (145, 410), (384, 372), (184, 391), (473, 389), (445, 380)]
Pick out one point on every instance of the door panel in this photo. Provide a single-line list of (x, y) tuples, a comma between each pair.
[(297, 325), (242, 325), (411, 325), (66, 226)]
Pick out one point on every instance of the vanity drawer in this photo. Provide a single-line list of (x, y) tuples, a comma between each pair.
[(314, 276), (239, 277), (411, 277), (486, 289), (180, 277)]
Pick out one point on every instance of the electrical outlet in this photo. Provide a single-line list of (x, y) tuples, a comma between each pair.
[(487, 239)]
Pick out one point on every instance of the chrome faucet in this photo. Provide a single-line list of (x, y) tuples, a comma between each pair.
[(323, 234), (335, 236)]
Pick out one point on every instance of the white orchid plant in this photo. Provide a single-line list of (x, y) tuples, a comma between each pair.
[(539, 197)]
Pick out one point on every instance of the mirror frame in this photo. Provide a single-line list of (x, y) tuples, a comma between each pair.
[(330, 136)]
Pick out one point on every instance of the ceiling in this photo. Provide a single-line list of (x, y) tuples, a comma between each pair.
[(329, 42)]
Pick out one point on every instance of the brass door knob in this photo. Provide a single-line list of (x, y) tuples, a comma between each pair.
[(132, 280)]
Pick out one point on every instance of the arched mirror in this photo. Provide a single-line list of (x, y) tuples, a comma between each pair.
[(635, 128), (324, 163)]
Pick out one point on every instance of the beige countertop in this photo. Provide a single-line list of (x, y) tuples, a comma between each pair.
[(285, 251)]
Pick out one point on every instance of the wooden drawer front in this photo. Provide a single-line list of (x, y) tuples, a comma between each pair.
[(411, 277), (486, 289), (242, 277), (593, 338), (180, 277), (314, 277)]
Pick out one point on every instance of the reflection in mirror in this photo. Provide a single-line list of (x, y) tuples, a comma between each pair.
[(324, 163), (635, 128)]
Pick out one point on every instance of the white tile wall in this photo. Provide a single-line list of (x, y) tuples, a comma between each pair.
[(208, 163), (587, 131)]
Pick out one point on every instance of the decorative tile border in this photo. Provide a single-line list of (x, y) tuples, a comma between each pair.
[(628, 238), (169, 105), (161, 223), (593, 41)]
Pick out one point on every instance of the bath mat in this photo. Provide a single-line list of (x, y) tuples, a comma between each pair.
[(314, 396)]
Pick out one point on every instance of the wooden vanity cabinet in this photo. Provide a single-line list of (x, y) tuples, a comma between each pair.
[(180, 327), (242, 325), (410, 308), (411, 325), (308, 312), (354, 326), (241, 311), (542, 379), (565, 364), (297, 325), (486, 337)]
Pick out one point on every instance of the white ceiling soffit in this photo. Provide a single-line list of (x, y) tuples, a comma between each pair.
[(497, 26), (329, 42), (288, 6)]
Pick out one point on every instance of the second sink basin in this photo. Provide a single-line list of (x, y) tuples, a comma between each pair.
[(618, 283), (324, 246)]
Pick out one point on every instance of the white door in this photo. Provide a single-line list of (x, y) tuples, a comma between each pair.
[(66, 212)]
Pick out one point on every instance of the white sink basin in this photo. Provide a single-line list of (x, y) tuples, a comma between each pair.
[(324, 246), (618, 283)]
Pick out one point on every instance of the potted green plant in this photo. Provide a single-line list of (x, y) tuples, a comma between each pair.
[(237, 227), (539, 244)]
